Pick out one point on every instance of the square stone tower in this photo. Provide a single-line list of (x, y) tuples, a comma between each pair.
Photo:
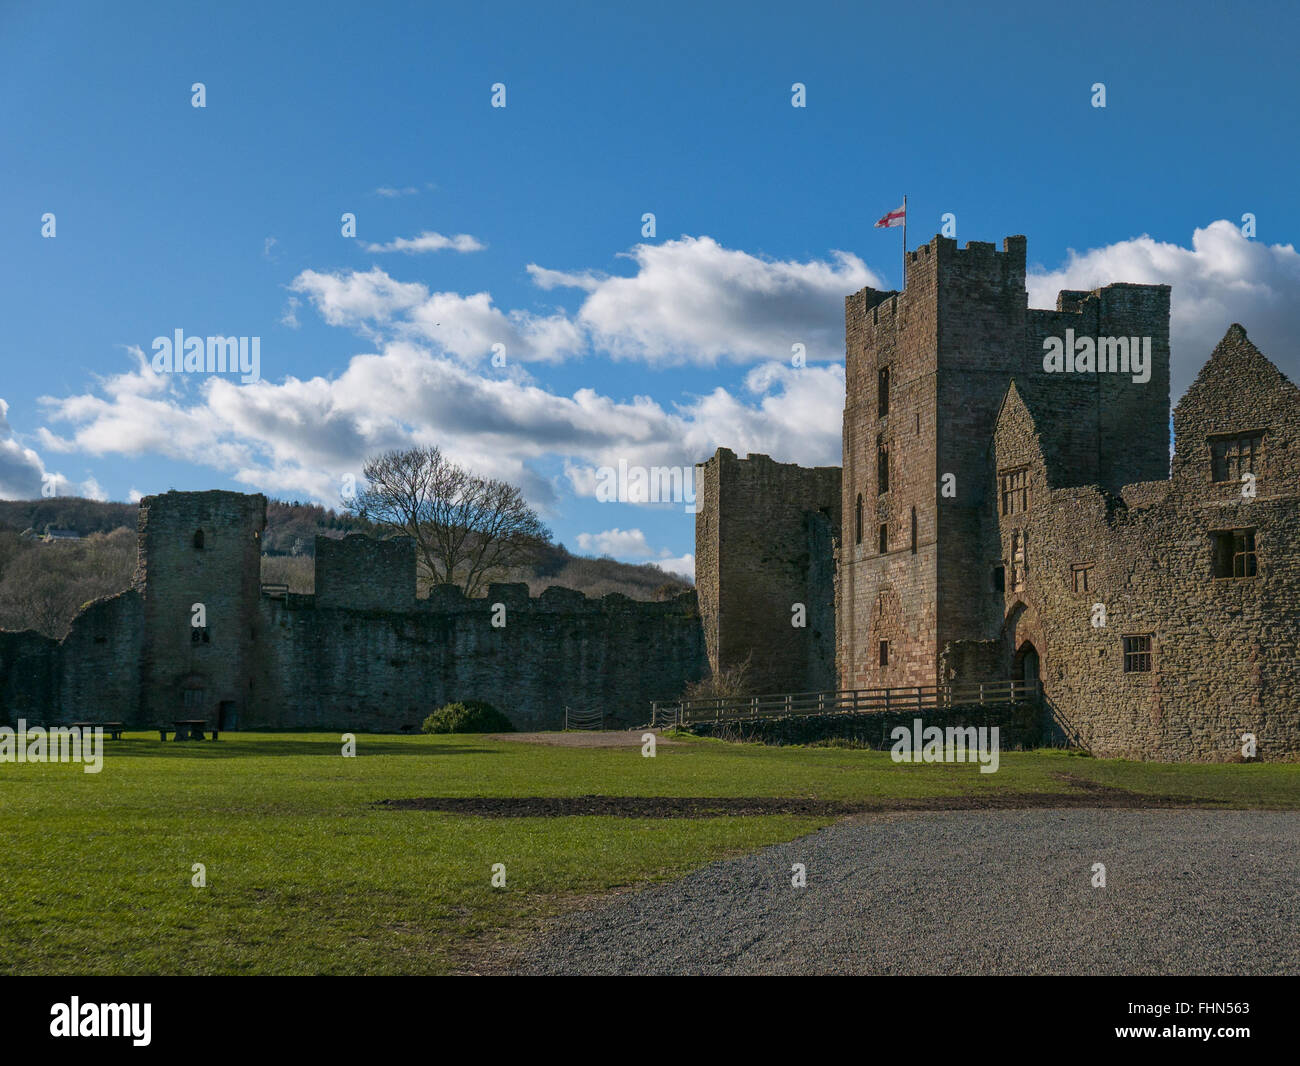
[(199, 548), (926, 373), (764, 556)]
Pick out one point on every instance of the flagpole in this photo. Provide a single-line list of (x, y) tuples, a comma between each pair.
[(904, 240)]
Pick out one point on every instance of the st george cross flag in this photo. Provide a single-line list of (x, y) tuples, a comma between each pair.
[(897, 217)]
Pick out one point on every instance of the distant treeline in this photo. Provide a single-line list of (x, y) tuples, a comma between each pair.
[(43, 585), (67, 512)]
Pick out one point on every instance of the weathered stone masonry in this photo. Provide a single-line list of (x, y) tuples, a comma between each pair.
[(987, 505), (361, 653), (763, 545), (985, 511)]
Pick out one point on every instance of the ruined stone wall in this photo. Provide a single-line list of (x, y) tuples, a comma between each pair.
[(92, 675), (99, 663), (1223, 649), (368, 657), (388, 670), (28, 676), (764, 533), (365, 573)]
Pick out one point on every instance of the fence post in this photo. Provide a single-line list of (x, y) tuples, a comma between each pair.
[(981, 693), (918, 697), (887, 701)]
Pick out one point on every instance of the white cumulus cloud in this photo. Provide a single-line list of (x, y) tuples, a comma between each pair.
[(1222, 278), (693, 301)]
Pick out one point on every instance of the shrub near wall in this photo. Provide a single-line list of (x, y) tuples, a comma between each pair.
[(467, 717)]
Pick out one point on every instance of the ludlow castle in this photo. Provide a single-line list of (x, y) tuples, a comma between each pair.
[(1008, 507)]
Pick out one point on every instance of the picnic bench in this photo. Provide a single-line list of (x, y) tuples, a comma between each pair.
[(113, 729), (186, 729)]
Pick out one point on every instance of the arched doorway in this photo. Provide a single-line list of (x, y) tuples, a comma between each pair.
[(1025, 666)]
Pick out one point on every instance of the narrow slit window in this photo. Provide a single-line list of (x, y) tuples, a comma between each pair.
[(1083, 577)]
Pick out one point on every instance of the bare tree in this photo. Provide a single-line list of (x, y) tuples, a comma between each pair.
[(730, 682), (467, 529)]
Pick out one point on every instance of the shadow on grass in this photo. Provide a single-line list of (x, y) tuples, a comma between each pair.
[(231, 746)]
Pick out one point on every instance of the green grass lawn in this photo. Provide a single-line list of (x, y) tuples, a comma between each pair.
[(304, 875)]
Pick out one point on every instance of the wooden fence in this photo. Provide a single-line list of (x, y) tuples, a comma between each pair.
[(852, 701), (583, 719)]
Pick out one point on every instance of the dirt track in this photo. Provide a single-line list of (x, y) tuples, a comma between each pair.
[(1089, 795), (605, 738)]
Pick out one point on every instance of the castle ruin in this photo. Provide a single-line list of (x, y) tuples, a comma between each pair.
[(999, 518), (362, 652), (1008, 508)]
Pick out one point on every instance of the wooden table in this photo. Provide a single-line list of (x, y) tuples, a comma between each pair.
[(187, 729), (113, 729)]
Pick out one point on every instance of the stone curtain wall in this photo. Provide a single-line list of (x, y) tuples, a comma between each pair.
[(28, 676), (381, 670), (368, 657), (364, 573), (93, 675)]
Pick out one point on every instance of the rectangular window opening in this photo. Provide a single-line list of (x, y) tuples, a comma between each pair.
[(1137, 653), (1014, 485), (1234, 554), (1232, 455)]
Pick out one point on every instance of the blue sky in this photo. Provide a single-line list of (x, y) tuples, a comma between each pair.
[(653, 350)]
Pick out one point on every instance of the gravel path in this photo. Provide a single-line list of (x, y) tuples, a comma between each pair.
[(968, 892)]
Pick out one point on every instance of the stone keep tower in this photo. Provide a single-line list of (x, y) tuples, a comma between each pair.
[(926, 372), (764, 534), (199, 548)]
